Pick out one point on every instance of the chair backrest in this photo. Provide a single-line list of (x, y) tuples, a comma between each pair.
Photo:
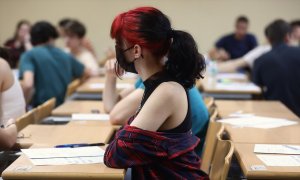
[(222, 158), (26, 119), (210, 142), (209, 101), (72, 87), (44, 110)]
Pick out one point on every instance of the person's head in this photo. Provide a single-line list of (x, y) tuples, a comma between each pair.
[(61, 26), (42, 33), (75, 32), (278, 32), (22, 30), (145, 34), (5, 54), (295, 32), (241, 26)]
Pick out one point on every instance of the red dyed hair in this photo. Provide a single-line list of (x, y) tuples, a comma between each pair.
[(135, 27)]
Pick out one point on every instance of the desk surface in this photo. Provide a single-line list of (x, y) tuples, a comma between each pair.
[(22, 168), (248, 158), (70, 107), (63, 134), (87, 87)]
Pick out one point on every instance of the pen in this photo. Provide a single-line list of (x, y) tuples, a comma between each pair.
[(78, 145)]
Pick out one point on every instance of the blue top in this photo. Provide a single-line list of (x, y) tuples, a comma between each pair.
[(277, 72), (53, 70), (199, 113), (235, 47)]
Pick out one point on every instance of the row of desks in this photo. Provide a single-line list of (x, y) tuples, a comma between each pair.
[(244, 139)]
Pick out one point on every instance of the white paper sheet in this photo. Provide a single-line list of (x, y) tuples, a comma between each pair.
[(237, 76), (237, 86), (258, 122), (90, 117), (40, 153), (277, 149), (102, 85), (66, 161), (280, 160)]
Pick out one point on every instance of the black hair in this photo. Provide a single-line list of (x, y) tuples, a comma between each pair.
[(277, 31), (242, 19), (42, 32), (62, 23), (6, 55), (295, 24), (151, 29), (19, 24), (75, 28)]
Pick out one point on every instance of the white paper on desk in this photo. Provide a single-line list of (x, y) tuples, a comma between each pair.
[(280, 160), (237, 76), (90, 117), (66, 161), (277, 149), (102, 85), (237, 86), (258, 122), (40, 153)]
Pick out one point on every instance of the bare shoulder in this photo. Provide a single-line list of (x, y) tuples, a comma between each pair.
[(4, 67), (171, 91)]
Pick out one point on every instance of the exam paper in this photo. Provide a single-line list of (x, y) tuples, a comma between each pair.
[(277, 149), (66, 161), (237, 86), (102, 85), (44, 153), (257, 122), (280, 160), (92, 117)]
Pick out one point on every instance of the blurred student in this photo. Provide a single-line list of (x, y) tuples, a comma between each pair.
[(62, 24), (46, 69), (157, 142), (235, 45), (19, 43), (277, 71), (295, 33), (117, 104), (74, 37), (12, 103)]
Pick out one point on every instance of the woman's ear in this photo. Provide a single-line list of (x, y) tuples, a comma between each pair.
[(137, 51)]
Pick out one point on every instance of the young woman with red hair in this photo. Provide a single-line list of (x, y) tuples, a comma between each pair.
[(157, 142)]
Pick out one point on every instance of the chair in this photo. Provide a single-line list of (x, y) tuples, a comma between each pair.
[(222, 159), (210, 141), (72, 87), (26, 119), (44, 110), (210, 104)]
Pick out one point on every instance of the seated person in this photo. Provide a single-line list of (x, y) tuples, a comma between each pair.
[(117, 104), (85, 42), (277, 72), (234, 45), (46, 69), (19, 43), (157, 142), (12, 104), (295, 33), (75, 33)]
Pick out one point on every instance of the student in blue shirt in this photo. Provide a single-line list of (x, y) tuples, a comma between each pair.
[(46, 69), (123, 105), (235, 45)]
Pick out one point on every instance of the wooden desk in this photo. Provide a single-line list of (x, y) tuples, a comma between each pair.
[(63, 134), (70, 107), (260, 108), (87, 87), (247, 158)]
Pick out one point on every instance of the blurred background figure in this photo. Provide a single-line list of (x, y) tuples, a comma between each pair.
[(295, 33), (19, 43), (236, 44), (74, 32)]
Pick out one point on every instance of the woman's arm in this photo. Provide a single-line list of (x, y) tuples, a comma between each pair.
[(8, 135)]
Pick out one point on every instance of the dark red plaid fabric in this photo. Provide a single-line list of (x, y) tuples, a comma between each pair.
[(155, 155)]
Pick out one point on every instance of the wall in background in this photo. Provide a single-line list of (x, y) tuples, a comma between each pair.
[(206, 20)]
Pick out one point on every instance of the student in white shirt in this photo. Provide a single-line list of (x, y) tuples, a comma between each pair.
[(12, 105), (75, 32)]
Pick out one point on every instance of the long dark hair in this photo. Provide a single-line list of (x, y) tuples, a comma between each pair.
[(20, 23), (151, 29)]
